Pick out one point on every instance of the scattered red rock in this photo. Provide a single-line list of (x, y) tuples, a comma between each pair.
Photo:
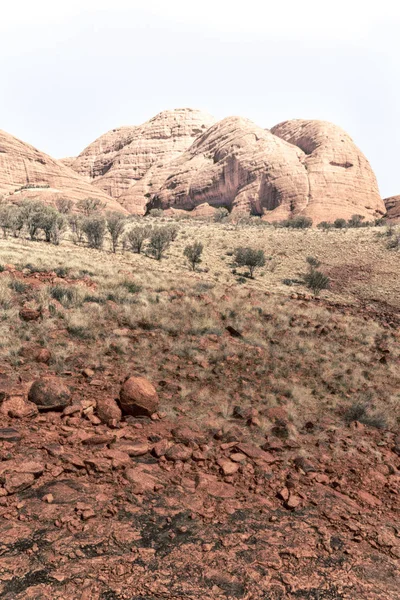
[(30, 314), (108, 410), (49, 393), (138, 397)]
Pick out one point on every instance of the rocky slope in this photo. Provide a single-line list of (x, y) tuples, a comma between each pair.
[(393, 207), (23, 165), (310, 168), (122, 156)]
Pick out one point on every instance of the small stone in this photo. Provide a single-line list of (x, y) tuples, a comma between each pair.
[(133, 447), (8, 434), (238, 457), (16, 407), (179, 452), (43, 356), (49, 498), (228, 467), (292, 502), (160, 448), (108, 410), (29, 314)]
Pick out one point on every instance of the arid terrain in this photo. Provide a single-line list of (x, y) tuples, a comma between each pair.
[(264, 463)]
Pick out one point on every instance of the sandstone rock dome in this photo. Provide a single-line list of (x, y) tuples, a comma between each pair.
[(341, 180), (22, 164), (393, 207), (122, 156), (310, 168)]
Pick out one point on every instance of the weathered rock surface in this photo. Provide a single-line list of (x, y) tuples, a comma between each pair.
[(309, 168), (49, 393), (138, 397), (122, 156), (393, 207), (341, 181), (23, 165)]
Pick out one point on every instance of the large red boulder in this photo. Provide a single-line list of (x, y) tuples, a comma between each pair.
[(49, 393), (138, 397)]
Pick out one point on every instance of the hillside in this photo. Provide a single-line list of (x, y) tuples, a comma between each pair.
[(268, 463)]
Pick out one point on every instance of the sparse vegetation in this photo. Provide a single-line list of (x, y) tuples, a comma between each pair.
[(250, 258), (136, 237), (193, 254), (94, 229), (116, 226), (315, 280)]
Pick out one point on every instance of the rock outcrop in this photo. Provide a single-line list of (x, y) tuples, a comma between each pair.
[(122, 156), (23, 165), (393, 207), (341, 180), (309, 168)]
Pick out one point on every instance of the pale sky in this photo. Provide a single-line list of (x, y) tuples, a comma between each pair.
[(72, 70)]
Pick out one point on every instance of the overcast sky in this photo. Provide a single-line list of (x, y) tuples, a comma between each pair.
[(72, 69)]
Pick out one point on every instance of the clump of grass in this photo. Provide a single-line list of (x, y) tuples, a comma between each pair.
[(18, 286), (360, 411), (67, 296)]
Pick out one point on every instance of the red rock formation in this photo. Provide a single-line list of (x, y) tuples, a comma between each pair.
[(306, 168), (341, 181), (393, 207), (122, 156), (48, 179)]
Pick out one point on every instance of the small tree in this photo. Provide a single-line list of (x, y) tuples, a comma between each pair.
[(89, 206), (76, 225), (173, 231), (221, 214), (340, 223), (115, 225), (250, 258), (5, 218), (356, 221), (160, 241), (136, 237), (313, 262), (325, 225), (50, 221), (94, 229), (32, 215), (64, 205), (193, 253)]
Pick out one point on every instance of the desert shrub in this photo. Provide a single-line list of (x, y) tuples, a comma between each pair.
[(356, 221), (18, 286), (156, 212), (325, 225), (64, 205), (173, 231), (159, 242), (193, 254), (94, 229), (221, 214), (250, 258), (5, 219), (359, 411), (340, 223), (90, 206), (131, 286), (116, 225), (316, 281), (136, 237), (313, 262), (298, 222), (76, 225)]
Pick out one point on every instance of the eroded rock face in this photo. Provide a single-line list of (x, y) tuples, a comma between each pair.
[(122, 156), (341, 181), (22, 165), (309, 168), (393, 207)]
